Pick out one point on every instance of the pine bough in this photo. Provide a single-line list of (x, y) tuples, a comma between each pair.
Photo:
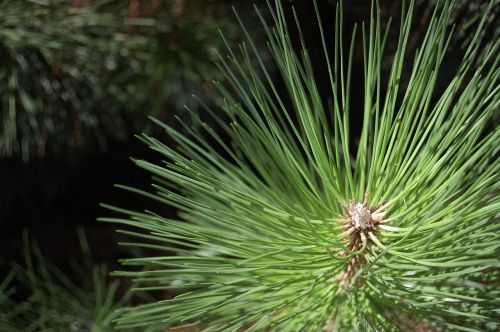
[(286, 224)]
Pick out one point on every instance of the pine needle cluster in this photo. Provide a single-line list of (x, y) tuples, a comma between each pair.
[(61, 75), (82, 73), (39, 296), (288, 223)]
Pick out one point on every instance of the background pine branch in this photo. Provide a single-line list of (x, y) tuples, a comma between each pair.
[(76, 72)]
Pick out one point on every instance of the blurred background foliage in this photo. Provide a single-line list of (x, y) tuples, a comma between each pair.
[(38, 296), (83, 72)]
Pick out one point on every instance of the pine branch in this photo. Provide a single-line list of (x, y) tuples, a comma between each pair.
[(83, 75), (39, 296), (285, 224)]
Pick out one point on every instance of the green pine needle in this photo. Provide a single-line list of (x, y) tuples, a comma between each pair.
[(286, 224), (38, 296)]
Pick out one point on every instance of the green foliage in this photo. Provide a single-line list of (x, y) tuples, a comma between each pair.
[(60, 75), (75, 75), (468, 14), (40, 297), (8, 308), (262, 242), (185, 48)]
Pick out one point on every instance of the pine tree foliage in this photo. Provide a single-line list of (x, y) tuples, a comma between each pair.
[(286, 223), (7, 305), (186, 44), (38, 296), (468, 14), (82, 73), (59, 65)]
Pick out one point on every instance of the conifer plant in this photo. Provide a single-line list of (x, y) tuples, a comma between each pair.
[(287, 223), (39, 296)]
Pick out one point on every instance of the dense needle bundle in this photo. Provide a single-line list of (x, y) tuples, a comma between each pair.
[(286, 224)]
